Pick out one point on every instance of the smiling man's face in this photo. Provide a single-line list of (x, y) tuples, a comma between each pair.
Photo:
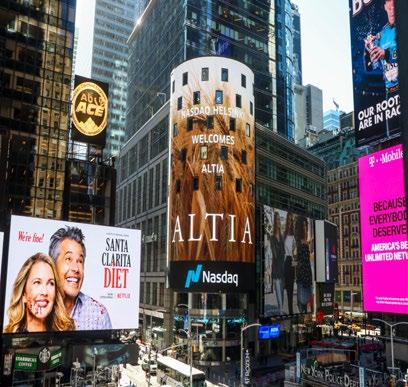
[(70, 267)]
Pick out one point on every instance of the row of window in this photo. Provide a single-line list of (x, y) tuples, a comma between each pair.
[(204, 154), (219, 100), (205, 76), (210, 125), (218, 184)]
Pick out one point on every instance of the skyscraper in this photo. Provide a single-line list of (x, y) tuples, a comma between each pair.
[(308, 114), (37, 39), (297, 46), (169, 33), (114, 22), (331, 120), (284, 68)]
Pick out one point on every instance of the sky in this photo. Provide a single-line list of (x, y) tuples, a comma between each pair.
[(84, 21), (326, 52)]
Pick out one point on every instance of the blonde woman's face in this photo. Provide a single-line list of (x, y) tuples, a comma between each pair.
[(39, 292)]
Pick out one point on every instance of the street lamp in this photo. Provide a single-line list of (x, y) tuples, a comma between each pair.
[(190, 351), (352, 294), (243, 329), (391, 337)]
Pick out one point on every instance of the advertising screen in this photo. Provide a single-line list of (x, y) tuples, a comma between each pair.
[(266, 332), (289, 263), (65, 276), (384, 243), (375, 70), (1, 249), (212, 177), (89, 111), (325, 297), (326, 251)]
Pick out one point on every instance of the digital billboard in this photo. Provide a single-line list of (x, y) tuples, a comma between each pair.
[(65, 276), (324, 297), (289, 263), (1, 249), (89, 111), (211, 224), (266, 332), (377, 108), (384, 243), (326, 251)]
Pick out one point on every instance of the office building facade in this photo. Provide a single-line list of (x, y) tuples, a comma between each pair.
[(114, 21), (331, 120), (297, 45), (287, 177), (308, 114), (340, 154), (284, 32), (37, 40), (171, 32)]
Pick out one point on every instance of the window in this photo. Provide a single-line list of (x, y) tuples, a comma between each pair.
[(243, 157), (224, 153), (185, 78), (196, 97), (238, 185), (205, 74), (243, 80), (179, 103), (175, 130), (238, 100), (189, 123), (248, 130), (232, 124), (173, 86), (210, 122), (219, 98), (204, 152), (195, 183), (251, 108), (183, 154), (224, 75), (218, 183), (178, 185)]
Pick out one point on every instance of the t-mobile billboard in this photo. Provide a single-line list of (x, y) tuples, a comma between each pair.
[(384, 245), (212, 176), (65, 276), (375, 70)]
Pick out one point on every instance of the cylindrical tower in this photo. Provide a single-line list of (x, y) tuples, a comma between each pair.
[(211, 218)]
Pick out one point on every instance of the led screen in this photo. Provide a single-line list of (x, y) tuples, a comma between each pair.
[(384, 246), (65, 276)]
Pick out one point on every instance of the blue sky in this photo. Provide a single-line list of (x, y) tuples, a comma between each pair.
[(326, 52)]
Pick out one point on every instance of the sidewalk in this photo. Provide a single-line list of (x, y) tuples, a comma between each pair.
[(135, 376)]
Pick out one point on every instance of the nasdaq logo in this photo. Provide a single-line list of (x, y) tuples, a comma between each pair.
[(210, 277), (193, 276)]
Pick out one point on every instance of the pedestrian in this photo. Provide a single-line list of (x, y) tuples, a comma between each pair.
[(208, 372)]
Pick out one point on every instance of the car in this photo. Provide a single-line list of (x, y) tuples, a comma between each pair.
[(355, 327), (152, 369)]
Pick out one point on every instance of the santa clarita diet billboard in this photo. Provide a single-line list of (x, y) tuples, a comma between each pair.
[(65, 276)]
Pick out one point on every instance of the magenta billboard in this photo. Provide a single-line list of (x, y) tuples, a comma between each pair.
[(384, 242)]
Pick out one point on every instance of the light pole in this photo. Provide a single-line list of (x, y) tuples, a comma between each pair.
[(352, 294), (190, 351), (243, 329), (391, 337)]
